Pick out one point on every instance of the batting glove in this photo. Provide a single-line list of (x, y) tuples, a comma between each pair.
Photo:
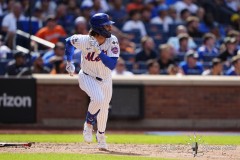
[(70, 68), (95, 44)]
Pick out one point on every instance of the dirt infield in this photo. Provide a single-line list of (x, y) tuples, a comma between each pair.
[(184, 152)]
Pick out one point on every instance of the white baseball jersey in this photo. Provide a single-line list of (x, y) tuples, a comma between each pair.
[(90, 62)]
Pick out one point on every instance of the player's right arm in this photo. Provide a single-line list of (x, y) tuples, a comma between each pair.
[(69, 50)]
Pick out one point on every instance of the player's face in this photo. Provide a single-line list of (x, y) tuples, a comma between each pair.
[(108, 27)]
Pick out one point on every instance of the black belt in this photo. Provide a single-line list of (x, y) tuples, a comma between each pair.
[(97, 78)]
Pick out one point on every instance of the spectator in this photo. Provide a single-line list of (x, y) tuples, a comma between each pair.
[(191, 66), (193, 27), (232, 4), (9, 23), (184, 14), (166, 57), (86, 8), (51, 32), (235, 21), (104, 5), (59, 67), (235, 34), (118, 13), (173, 15), (25, 7), (18, 67), (73, 8), (153, 67), (81, 26), (156, 4), (183, 43), (3, 7), (146, 15), (207, 22), (208, 46), (38, 66), (126, 45), (121, 68), (235, 69), (162, 18), (63, 18), (186, 4), (147, 52), (216, 69), (202, 26), (230, 49), (97, 7), (10, 6), (47, 6), (38, 16), (134, 5), (174, 41), (173, 69), (54, 55), (5, 52), (135, 23)]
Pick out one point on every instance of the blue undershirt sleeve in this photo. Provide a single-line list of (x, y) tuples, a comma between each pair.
[(69, 49), (109, 62)]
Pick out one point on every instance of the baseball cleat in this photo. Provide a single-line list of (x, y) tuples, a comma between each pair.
[(101, 140), (87, 133)]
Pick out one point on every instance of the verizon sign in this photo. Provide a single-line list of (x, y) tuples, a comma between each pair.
[(17, 100)]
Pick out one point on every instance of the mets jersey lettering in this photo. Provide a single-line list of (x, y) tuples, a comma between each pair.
[(89, 57)]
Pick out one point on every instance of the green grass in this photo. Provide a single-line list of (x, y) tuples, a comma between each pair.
[(118, 138), (112, 138), (50, 156)]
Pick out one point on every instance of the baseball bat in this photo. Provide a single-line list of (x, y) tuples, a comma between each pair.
[(29, 144)]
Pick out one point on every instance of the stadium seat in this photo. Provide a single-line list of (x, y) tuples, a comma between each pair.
[(171, 2), (25, 26), (208, 58), (142, 65), (164, 72), (22, 41), (156, 32), (62, 39), (135, 33), (3, 65), (139, 71), (198, 41), (172, 30), (207, 65), (129, 65), (9, 55), (153, 28), (127, 56), (180, 57), (118, 25)]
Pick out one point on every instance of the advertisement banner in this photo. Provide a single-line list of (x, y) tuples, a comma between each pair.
[(17, 100)]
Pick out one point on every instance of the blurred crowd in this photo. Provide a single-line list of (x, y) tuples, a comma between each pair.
[(168, 37)]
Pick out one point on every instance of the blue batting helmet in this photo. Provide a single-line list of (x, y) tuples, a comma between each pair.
[(97, 23)]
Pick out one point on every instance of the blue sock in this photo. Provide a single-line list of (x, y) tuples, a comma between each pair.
[(92, 118)]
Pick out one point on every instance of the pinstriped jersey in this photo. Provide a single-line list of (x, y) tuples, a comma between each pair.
[(90, 62)]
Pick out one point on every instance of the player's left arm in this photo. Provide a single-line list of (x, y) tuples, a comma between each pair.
[(110, 60)]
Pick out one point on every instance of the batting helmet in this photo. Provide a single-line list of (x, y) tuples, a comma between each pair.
[(97, 23)]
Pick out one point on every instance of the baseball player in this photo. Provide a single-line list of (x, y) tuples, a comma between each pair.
[(100, 51)]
